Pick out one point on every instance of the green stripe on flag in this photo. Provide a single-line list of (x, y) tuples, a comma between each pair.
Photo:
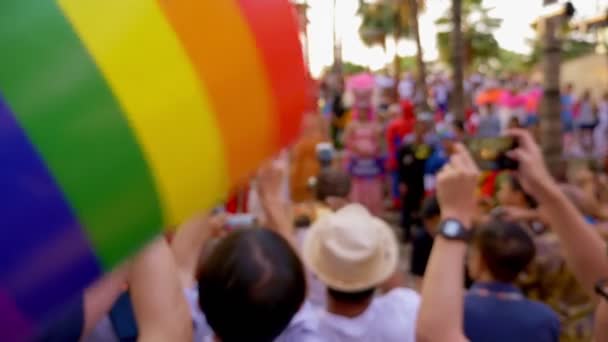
[(70, 115)]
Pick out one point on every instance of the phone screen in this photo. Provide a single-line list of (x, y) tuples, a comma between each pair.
[(239, 221), (491, 153)]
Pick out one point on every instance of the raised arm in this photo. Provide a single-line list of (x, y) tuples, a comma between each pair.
[(441, 313), (189, 241), (276, 209), (584, 249), (158, 298), (99, 298)]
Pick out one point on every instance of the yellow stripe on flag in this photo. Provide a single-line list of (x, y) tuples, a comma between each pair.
[(152, 77)]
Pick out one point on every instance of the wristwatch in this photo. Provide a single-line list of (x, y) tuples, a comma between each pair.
[(451, 229)]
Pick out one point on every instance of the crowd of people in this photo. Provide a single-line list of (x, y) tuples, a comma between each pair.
[(496, 255)]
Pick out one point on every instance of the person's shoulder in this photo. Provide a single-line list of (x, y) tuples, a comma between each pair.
[(400, 298), (304, 326), (397, 311), (542, 313), (541, 309)]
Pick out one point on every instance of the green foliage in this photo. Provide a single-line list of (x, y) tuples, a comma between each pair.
[(408, 63), (571, 49), (351, 68), (478, 34), (377, 22), (510, 62), (384, 18)]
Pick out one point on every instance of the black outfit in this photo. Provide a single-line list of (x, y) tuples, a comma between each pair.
[(412, 159), (338, 111), (422, 244)]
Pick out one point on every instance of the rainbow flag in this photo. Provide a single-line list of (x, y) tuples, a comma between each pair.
[(119, 118)]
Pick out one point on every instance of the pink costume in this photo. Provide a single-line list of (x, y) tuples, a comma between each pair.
[(363, 145)]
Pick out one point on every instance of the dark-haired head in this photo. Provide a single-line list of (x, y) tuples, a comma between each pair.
[(511, 193), (251, 285), (332, 183), (500, 251)]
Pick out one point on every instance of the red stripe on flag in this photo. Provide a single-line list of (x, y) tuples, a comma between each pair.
[(273, 23)]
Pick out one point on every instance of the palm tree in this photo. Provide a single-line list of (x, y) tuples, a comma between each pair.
[(301, 8), (421, 75), (466, 40), (550, 112), (396, 18), (457, 60), (477, 27)]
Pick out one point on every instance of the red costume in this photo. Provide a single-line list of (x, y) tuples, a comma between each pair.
[(397, 129)]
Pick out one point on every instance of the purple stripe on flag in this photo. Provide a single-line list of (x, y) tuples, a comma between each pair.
[(13, 326), (46, 259)]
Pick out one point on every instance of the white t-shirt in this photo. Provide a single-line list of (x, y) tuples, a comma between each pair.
[(406, 89), (391, 317)]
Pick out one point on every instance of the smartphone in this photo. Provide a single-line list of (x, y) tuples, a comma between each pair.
[(491, 153), (238, 221)]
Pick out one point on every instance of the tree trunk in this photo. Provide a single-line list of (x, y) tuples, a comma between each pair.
[(337, 44), (396, 59), (550, 115), (457, 61), (421, 74)]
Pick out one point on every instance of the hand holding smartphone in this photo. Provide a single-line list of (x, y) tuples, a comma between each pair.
[(491, 153)]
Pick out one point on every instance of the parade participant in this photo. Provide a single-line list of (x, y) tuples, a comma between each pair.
[(589, 264), (353, 254), (585, 119), (304, 162), (439, 157), (547, 278), (422, 242), (441, 93), (601, 131), (412, 157), (397, 129), (334, 110), (500, 252), (362, 138), (256, 271), (407, 87), (489, 123), (512, 195), (567, 104), (332, 189), (493, 310), (511, 107)]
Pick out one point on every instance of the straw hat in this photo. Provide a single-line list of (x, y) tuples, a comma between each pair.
[(351, 250)]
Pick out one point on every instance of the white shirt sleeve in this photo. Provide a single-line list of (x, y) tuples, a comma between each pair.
[(304, 326), (402, 304)]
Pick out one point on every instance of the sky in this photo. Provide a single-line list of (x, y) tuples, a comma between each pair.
[(517, 16)]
